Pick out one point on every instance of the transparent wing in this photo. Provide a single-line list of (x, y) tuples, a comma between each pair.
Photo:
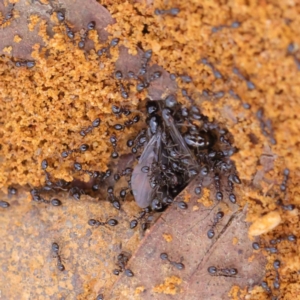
[(142, 191)]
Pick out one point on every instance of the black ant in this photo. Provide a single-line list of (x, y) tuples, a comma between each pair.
[(276, 265), (113, 140), (4, 204), (44, 164), (132, 121), (84, 34), (142, 215), (290, 238), (288, 207), (177, 265), (112, 198), (55, 250), (96, 223), (37, 198), (286, 174), (249, 83), (265, 286), (82, 148), (257, 246), (123, 193), (89, 129), (119, 110), (227, 272), (122, 261), (266, 126), (12, 191), (76, 192), (216, 73), (172, 11), (217, 218)]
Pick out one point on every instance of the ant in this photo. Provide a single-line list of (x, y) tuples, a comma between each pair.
[(4, 204), (290, 238), (142, 215), (276, 265), (82, 148), (96, 223), (12, 191), (89, 129), (217, 218), (76, 192), (113, 141), (286, 174), (216, 73), (55, 250), (249, 83), (179, 266), (122, 261), (44, 164), (37, 198), (112, 199), (227, 272), (123, 193), (219, 195), (132, 121), (119, 110), (266, 126), (172, 11), (257, 246), (84, 34), (288, 207), (265, 286), (127, 172), (276, 282), (124, 93)]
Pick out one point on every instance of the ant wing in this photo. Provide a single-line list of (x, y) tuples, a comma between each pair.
[(177, 137), (140, 184)]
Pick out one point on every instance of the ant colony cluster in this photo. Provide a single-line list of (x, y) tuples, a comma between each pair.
[(182, 144)]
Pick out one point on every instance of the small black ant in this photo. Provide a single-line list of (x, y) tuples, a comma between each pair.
[(4, 204), (100, 297), (113, 140), (55, 250), (142, 215), (289, 238), (96, 223), (276, 265), (122, 261), (76, 192), (257, 246), (44, 164), (266, 126), (177, 265), (287, 207), (217, 218), (12, 191), (37, 198), (227, 272), (172, 11), (123, 193), (286, 174), (250, 84), (89, 129), (265, 286), (112, 198)]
